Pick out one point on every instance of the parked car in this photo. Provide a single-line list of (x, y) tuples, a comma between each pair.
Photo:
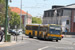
[(19, 31), (13, 32)]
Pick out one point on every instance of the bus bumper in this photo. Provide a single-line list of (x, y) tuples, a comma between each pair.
[(54, 38)]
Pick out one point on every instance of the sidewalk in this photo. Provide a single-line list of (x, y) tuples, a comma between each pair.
[(12, 42), (69, 36), (4, 44)]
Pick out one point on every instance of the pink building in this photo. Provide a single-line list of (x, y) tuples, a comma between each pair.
[(26, 17)]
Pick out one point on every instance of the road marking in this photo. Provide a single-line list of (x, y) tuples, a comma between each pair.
[(64, 48), (43, 48)]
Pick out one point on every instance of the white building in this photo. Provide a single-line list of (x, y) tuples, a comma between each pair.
[(63, 15)]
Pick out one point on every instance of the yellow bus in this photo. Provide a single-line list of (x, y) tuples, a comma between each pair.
[(50, 31)]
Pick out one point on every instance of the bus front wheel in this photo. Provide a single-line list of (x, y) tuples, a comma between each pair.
[(30, 36), (56, 40)]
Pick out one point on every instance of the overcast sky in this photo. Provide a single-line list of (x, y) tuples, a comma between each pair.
[(37, 7)]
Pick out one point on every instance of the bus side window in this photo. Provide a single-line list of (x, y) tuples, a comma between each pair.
[(41, 28), (28, 27), (34, 27), (45, 29)]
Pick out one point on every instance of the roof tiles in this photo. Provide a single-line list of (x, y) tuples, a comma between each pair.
[(17, 10)]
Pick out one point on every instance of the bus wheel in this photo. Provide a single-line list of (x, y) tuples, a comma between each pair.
[(30, 36), (45, 37), (56, 40), (51, 39), (38, 36)]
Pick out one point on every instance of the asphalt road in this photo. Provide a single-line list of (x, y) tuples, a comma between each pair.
[(35, 44)]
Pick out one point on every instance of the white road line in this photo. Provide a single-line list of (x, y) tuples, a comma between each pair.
[(68, 48), (43, 48)]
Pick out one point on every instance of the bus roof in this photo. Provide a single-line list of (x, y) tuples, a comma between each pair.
[(55, 24), (42, 24), (36, 25)]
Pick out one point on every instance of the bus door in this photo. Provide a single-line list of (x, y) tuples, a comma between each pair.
[(33, 33), (38, 31)]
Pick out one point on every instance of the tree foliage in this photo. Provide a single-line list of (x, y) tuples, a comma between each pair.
[(14, 20), (2, 1), (36, 20), (2, 12), (2, 7)]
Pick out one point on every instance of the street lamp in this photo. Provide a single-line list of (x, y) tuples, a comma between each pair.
[(6, 20), (55, 16), (6, 25), (20, 14)]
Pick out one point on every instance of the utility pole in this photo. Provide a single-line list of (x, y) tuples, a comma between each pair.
[(20, 13), (6, 21), (55, 15), (27, 17), (59, 18)]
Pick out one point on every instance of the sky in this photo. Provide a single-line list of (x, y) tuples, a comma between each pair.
[(37, 7)]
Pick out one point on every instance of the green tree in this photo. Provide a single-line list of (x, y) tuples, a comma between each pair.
[(2, 12), (36, 20), (14, 20), (2, 1)]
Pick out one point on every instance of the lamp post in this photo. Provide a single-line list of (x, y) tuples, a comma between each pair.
[(20, 13), (55, 15), (59, 18), (6, 20)]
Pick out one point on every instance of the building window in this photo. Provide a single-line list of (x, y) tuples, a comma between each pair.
[(67, 21), (59, 12)]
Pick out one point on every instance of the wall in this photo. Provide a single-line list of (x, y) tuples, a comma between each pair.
[(48, 20), (26, 19), (64, 25), (66, 12), (29, 20), (66, 16), (52, 20), (73, 21)]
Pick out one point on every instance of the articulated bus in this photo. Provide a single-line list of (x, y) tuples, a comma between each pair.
[(50, 31)]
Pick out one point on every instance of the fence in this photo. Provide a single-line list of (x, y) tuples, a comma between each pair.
[(69, 34)]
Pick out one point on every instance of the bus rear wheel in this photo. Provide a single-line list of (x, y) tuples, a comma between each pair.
[(30, 36), (38, 36), (45, 38), (56, 40)]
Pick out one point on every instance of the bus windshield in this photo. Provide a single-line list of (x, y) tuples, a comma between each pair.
[(55, 29)]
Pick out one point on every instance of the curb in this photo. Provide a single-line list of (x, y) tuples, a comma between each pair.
[(1, 43), (4, 44)]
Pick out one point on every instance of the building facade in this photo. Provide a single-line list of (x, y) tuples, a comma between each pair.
[(62, 15), (25, 16)]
